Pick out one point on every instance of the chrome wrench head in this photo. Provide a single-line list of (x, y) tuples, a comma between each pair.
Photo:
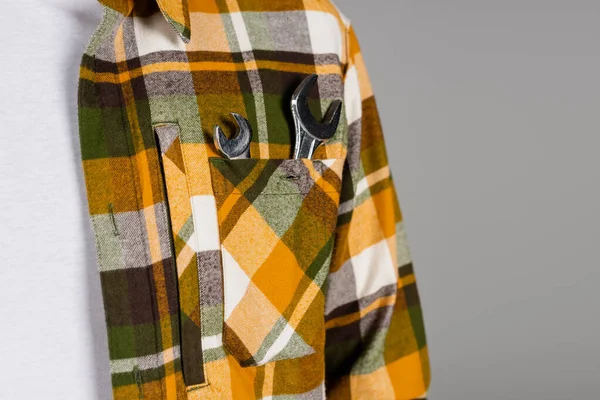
[(238, 146), (309, 132)]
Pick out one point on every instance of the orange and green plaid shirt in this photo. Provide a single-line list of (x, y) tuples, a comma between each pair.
[(262, 278)]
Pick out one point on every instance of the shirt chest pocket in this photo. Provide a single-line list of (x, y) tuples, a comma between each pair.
[(276, 224)]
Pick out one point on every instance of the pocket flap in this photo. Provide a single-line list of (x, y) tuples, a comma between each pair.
[(275, 176)]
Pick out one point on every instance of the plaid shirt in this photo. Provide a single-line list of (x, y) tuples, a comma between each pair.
[(260, 278)]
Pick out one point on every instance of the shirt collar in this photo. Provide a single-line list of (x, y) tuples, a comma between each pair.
[(175, 11)]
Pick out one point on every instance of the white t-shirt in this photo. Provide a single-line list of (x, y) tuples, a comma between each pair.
[(52, 321)]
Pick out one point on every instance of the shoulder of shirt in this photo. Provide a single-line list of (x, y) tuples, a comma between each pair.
[(332, 8), (344, 22)]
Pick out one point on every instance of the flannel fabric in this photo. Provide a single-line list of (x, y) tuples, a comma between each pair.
[(260, 278)]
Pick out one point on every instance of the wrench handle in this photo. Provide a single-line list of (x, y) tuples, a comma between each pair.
[(305, 146)]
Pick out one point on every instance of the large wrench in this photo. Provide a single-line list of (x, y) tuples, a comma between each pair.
[(310, 133), (238, 146)]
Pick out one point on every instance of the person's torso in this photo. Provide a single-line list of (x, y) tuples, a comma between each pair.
[(213, 269)]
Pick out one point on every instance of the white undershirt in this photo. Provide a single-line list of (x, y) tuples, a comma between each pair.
[(52, 327)]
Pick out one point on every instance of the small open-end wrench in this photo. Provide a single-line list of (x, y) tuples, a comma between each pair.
[(238, 146), (309, 132)]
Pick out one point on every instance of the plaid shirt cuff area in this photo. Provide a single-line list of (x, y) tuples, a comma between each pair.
[(261, 278)]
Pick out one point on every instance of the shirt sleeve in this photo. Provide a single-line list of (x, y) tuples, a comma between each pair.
[(375, 338)]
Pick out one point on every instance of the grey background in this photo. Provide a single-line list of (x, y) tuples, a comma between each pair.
[(491, 112)]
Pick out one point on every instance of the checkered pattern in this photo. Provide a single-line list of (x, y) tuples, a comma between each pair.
[(277, 225), (265, 278)]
